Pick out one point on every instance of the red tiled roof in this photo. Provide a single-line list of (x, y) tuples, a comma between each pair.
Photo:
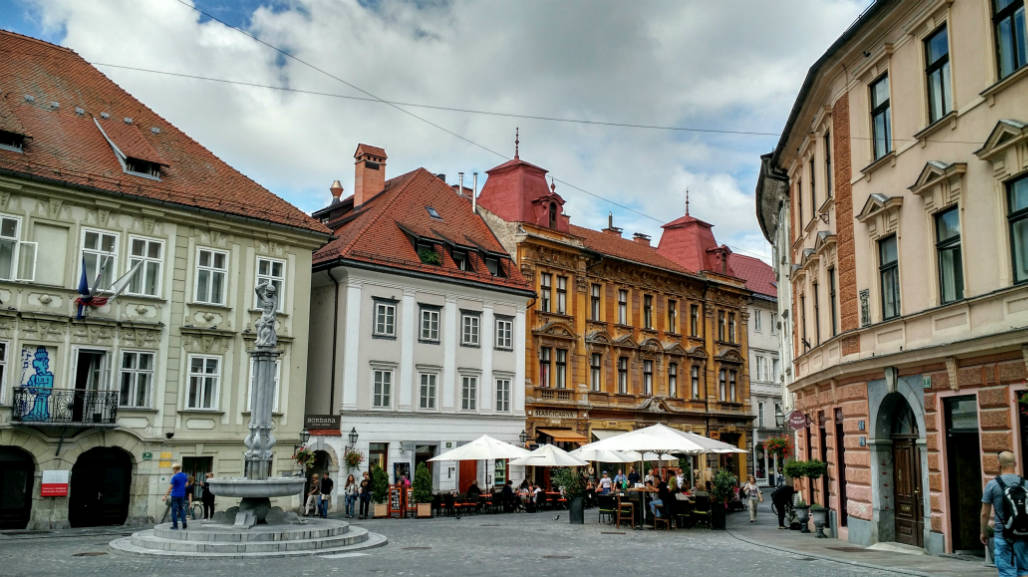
[(690, 242), (759, 276), (66, 146), (616, 246), (378, 231)]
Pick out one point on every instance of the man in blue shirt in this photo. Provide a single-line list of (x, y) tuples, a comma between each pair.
[(1011, 557), (177, 491)]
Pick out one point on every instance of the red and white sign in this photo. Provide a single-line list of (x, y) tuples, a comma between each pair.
[(55, 484), (797, 420)]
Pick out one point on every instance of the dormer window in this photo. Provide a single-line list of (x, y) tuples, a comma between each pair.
[(142, 167), (427, 253), (12, 141), (553, 215), (460, 258), (493, 264)]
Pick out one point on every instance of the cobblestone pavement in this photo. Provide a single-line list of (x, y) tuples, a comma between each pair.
[(509, 545)]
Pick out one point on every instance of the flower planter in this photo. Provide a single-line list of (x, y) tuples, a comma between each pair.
[(424, 510), (576, 510), (380, 510), (820, 517), (718, 513), (803, 515)]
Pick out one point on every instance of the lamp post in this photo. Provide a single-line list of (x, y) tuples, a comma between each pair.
[(779, 417)]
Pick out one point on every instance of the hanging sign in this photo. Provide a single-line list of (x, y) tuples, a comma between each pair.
[(55, 483), (797, 420)]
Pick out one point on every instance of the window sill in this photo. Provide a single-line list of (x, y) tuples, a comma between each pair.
[(673, 335), (384, 337), (888, 158), (505, 349), (202, 411), (210, 305), (429, 341), (470, 346), (140, 410), (999, 85), (273, 413), (623, 327), (934, 127), (150, 298)]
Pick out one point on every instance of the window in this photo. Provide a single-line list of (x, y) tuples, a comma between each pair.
[(503, 395), (504, 333), (881, 124), (12, 141), (100, 254), (828, 164), (382, 394), (672, 316), (596, 371), (253, 375), (799, 202), (947, 243), (1008, 25), (694, 377), (562, 295), (831, 301), (648, 311), (936, 55), (468, 393), (142, 167), (17, 257), (721, 328), (722, 385), (622, 307), (544, 287), (756, 320), (1017, 200), (648, 377), (553, 215), (774, 323), (813, 188), (594, 304), (672, 380), (803, 322), (731, 328), (760, 415), (759, 372), (136, 378), (623, 375), (211, 272), (427, 390), (427, 253), (429, 324), (814, 289), (273, 271), (731, 386), (694, 320), (469, 323), (561, 369), (385, 318), (492, 264), (888, 270), (460, 259), (433, 213), (544, 366), (204, 378), (3, 369), (148, 253)]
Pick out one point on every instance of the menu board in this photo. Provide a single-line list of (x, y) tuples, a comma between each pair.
[(395, 502)]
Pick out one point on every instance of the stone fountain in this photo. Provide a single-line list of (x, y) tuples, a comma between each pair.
[(254, 528)]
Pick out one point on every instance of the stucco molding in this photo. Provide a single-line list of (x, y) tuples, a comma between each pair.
[(939, 184), (881, 214)]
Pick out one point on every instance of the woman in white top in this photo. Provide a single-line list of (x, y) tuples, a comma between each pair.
[(753, 496)]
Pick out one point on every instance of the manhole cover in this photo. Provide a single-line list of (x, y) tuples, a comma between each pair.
[(849, 549), (556, 556), (416, 548), (612, 532), (89, 554)]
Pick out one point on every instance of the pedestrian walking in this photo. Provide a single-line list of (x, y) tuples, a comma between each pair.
[(326, 494), (350, 491), (313, 505), (365, 495), (753, 496), (208, 497), (177, 493), (1003, 504)]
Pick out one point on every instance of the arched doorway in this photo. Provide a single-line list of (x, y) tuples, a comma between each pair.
[(908, 519), (17, 473), (100, 482)]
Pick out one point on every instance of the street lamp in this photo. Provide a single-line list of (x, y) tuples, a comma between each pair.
[(523, 437), (353, 437), (305, 436), (779, 417)]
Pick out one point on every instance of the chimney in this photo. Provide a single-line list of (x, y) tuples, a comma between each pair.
[(337, 191), (460, 184), (368, 173), (641, 238), (474, 196), (611, 229)]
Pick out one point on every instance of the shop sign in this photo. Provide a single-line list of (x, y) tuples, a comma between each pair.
[(797, 420), (322, 425), (55, 483), (147, 456)]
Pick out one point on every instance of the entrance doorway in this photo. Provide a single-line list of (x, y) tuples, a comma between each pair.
[(823, 444), (422, 454), (963, 469), (468, 473), (840, 469), (17, 475), (99, 492), (198, 467), (906, 459)]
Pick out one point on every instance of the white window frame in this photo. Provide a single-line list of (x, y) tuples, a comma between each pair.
[(695, 377), (756, 320), (5, 347), (596, 372), (135, 373), (470, 333), (504, 333), (20, 248), (251, 374), (216, 392), (503, 386), (386, 325), (278, 281), (672, 380), (426, 315), (147, 262), (434, 376), (469, 392), (384, 394), (212, 270), (111, 271), (104, 383)]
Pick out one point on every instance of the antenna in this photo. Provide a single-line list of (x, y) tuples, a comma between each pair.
[(517, 141), (687, 201)]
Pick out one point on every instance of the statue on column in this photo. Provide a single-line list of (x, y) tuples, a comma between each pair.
[(267, 302)]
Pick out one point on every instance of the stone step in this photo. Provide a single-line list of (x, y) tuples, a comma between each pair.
[(207, 531), (148, 540), (370, 541)]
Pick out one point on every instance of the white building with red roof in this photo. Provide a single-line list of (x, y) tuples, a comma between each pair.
[(150, 367)]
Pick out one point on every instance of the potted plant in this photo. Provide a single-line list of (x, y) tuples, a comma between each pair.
[(353, 458), (305, 458), (570, 480), (779, 447), (722, 491), (820, 516), (423, 490), (379, 490)]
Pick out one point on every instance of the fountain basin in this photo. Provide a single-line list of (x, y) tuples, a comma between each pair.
[(250, 488)]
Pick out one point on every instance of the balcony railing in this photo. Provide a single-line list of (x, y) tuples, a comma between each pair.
[(548, 394), (74, 407)]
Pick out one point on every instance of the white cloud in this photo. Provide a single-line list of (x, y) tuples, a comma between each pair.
[(732, 64)]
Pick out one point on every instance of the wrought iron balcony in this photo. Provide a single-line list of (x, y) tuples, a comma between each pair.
[(65, 407)]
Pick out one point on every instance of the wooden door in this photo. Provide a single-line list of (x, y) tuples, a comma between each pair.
[(468, 473), (17, 474), (909, 521)]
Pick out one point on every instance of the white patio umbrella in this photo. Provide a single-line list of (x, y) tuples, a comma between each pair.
[(661, 439), (549, 456), (603, 456), (482, 448)]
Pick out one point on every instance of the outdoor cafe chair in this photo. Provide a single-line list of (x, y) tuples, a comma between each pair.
[(664, 519), (701, 510), (625, 512), (607, 506)]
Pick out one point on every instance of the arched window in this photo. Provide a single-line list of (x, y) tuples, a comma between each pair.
[(553, 215)]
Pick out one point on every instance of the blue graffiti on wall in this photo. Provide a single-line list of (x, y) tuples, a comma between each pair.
[(41, 385)]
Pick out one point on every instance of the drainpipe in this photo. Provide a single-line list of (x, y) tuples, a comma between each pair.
[(335, 339)]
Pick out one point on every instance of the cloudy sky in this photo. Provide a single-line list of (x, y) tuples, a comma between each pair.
[(722, 65)]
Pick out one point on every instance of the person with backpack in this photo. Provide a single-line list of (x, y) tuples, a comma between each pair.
[(1005, 497)]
